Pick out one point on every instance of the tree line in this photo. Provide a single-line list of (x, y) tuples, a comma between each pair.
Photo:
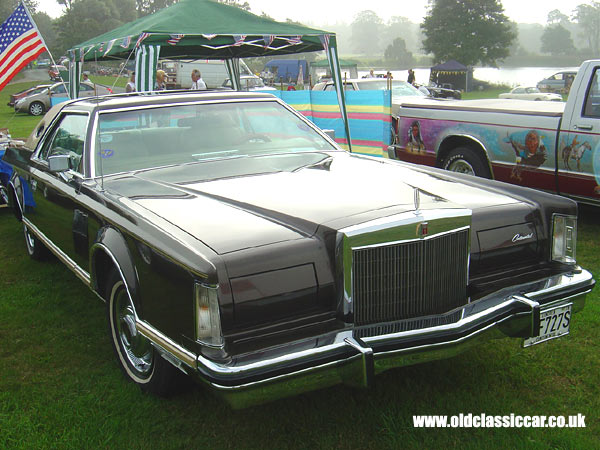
[(470, 31)]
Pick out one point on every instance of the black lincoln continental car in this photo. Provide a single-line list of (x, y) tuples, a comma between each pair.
[(235, 242)]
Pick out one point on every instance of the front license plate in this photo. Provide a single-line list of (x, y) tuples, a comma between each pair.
[(554, 323)]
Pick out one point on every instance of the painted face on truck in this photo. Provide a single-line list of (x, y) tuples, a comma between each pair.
[(415, 130), (532, 142)]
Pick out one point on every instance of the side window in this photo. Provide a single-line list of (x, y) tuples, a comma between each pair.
[(591, 107), (67, 139)]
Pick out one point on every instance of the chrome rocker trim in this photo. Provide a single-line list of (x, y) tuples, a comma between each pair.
[(62, 256), (347, 359)]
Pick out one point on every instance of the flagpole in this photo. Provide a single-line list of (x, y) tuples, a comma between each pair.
[(44, 42)]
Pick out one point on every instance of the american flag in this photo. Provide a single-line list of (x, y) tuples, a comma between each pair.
[(325, 41), (126, 42), (268, 40), (141, 38), (174, 39), (20, 43), (109, 46), (239, 39)]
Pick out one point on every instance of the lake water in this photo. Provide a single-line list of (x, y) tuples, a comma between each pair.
[(512, 76)]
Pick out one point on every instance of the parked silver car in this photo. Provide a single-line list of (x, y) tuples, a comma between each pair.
[(38, 103), (559, 82)]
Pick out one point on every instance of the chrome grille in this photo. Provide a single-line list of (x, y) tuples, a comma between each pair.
[(410, 279)]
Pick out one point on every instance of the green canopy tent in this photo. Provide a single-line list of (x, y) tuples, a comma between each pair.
[(204, 29)]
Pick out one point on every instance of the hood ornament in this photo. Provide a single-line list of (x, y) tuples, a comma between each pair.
[(417, 201)]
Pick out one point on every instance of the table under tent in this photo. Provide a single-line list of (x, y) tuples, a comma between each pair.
[(204, 29)]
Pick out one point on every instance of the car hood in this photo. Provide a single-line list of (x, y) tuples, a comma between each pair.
[(232, 205)]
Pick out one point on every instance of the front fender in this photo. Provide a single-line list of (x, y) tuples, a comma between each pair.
[(110, 250)]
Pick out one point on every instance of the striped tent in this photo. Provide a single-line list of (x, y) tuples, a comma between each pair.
[(205, 29)]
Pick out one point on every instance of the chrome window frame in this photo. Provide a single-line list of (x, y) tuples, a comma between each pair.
[(49, 132)]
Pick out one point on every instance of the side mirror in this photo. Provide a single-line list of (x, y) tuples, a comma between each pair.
[(391, 152), (59, 163), (330, 133)]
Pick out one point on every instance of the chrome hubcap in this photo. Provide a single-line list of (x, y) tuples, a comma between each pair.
[(137, 349), (461, 166)]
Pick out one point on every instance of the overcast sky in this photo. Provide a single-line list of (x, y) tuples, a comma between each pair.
[(324, 12)]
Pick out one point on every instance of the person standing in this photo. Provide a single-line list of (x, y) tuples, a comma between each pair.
[(411, 76), (130, 87), (161, 84), (197, 82), (371, 74)]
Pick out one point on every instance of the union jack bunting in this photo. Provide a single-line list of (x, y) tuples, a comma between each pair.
[(101, 48), (174, 39), (239, 39), (20, 43), (209, 36), (141, 38), (126, 42), (293, 40), (268, 40)]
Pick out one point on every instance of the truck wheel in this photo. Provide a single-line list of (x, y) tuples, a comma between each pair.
[(466, 160), (138, 359), (36, 109)]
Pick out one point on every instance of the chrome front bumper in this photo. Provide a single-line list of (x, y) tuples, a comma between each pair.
[(341, 357)]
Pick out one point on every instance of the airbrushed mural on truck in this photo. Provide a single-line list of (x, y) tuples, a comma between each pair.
[(554, 146), (525, 157)]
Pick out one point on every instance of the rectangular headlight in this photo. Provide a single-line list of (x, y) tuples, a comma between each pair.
[(208, 319), (564, 238)]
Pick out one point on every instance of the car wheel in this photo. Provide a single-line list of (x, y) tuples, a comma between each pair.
[(36, 109), (468, 161), (138, 359), (35, 249)]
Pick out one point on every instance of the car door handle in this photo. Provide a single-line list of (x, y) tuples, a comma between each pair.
[(584, 127)]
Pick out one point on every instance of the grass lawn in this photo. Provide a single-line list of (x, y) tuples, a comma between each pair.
[(61, 387), (488, 93)]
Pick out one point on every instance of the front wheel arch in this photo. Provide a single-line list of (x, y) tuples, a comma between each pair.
[(111, 251)]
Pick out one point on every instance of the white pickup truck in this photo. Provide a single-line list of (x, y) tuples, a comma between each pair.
[(553, 146)]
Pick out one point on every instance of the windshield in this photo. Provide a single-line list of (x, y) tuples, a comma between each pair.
[(155, 137)]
